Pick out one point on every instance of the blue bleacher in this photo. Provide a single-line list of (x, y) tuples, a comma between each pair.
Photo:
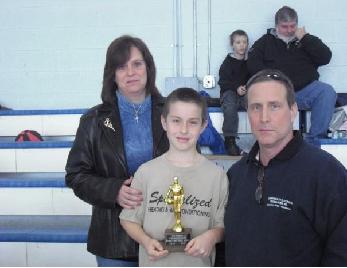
[(35, 145), (65, 219), (48, 229), (32, 179), (41, 112)]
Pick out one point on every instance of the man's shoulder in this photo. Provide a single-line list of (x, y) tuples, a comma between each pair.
[(322, 163), (317, 154), (239, 167), (265, 39)]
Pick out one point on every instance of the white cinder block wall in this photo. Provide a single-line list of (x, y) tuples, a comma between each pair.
[(52, 52)]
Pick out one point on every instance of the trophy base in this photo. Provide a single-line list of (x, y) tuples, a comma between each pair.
[(176, 242)]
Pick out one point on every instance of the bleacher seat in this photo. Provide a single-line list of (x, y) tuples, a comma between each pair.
[(47, 228), (336, 147), (42, 222)]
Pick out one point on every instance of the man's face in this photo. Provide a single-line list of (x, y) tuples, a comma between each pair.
[(270, 116), (286, 29)]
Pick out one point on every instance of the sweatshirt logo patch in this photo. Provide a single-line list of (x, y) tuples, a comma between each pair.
[(279, 202)]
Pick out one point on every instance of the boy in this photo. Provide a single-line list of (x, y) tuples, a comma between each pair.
[(233, 75), (205, 190)]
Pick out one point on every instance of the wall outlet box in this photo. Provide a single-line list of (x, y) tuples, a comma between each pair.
[(209, 81)]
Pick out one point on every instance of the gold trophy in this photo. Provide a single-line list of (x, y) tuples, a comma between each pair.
[(177, 237)]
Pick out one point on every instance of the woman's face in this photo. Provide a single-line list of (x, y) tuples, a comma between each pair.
[(131, 77)]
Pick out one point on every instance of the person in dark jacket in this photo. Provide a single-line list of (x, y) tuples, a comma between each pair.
[(298, 54), (113, 139), (287, 199), (233, 75)]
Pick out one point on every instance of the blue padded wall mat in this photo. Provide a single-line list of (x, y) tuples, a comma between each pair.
[(35, 145), (42, 112), (32, 179), (68, 111), (10, 139), (51, 229), (214, 110), (332, 141)]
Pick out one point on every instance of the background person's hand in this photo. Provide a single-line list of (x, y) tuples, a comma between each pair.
[(241, 90), (129, 197), (300, 32)]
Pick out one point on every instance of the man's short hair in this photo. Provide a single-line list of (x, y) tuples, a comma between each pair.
[(286, 14), (273, 75), (237, 32), (189, 95)]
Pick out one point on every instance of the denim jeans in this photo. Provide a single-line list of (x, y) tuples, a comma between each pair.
[(230, 104), (320, 98), (104, 262)]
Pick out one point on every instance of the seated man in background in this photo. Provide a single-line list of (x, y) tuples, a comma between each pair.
[(298, 54)]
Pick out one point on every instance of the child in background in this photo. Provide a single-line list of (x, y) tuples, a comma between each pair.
[(205, 189), (233, 75)]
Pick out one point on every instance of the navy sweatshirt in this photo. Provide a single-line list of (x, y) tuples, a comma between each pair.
[(303, 220)]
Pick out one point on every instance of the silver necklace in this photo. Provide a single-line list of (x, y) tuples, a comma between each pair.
[(136, 112)]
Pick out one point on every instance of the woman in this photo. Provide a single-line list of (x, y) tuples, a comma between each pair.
[(112, 141)]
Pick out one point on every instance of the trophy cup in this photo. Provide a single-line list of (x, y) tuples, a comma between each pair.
[(177, 237)]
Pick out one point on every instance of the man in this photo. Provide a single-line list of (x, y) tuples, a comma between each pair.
[(287, 199), (298, 54)]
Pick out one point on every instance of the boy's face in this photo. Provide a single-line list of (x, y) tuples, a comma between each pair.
[(183, 125), (240, 45)]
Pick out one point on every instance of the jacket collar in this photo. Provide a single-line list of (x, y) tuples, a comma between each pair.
[(232, 55), (287, 152), (109, 120), (273, 32)]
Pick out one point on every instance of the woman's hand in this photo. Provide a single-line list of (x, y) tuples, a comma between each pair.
[(129, 197)]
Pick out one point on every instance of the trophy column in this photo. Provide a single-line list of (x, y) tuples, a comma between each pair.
[(177, 237)]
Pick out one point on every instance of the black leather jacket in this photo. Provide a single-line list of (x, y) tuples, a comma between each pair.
[(95, 170)]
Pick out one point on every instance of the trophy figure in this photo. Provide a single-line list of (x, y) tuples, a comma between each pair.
[(177, 237)]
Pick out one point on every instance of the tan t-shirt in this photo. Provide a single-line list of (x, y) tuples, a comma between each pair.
[(206, 193)]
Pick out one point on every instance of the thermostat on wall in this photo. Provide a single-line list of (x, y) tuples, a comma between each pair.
[(209, 81)]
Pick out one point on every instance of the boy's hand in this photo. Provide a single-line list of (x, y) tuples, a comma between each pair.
[(154, 249), (201, 245), (300, 33), (129, 197), (241, 90)]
